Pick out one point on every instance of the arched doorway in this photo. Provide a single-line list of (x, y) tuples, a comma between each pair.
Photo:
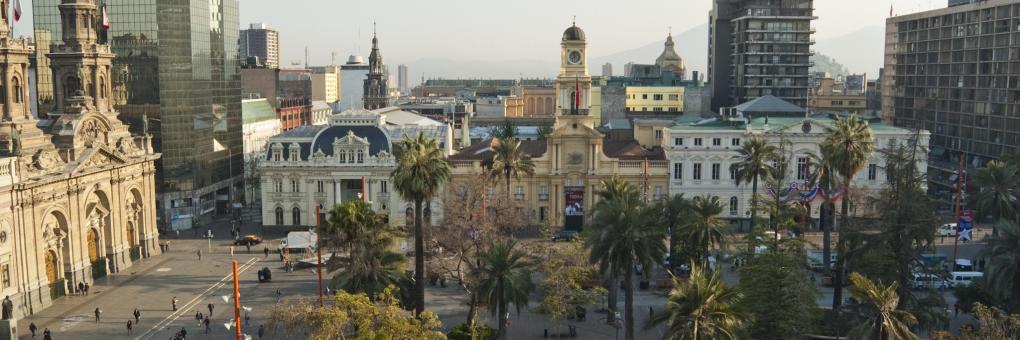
[(53, 275), (100, 235), (131, 236), (92, 246)]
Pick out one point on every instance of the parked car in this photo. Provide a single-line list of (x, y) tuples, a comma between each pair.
[(928, 281), (565, 235), (963, 265), (248, 240), (948, 229)]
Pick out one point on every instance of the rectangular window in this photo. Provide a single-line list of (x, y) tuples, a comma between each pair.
[(697, 142), (716, 170), (5, 275), (319, 187), (656, 97), (656, 109), (294, 186), (644, 96), (802, 168), (696, 175), (382, 187), (519, 194), (872, 172), (674, 97), (543, 194), (278, 184), (716, 141), (735, 142), (733, 172), (658, 193), (678, 170), (678, 141), (658, 134)]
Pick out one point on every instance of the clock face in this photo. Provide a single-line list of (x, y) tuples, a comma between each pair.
[(574, 57)]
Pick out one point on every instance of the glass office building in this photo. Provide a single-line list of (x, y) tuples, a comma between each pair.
[(177, 69)]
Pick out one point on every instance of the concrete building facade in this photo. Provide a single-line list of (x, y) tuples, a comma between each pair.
[(261, 42)]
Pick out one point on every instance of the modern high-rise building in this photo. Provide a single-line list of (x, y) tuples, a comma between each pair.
[(261, 42), (758, 48), (607, 70), (953, 71), (402, 79), (176, 74), (352, 81), (326, 84)]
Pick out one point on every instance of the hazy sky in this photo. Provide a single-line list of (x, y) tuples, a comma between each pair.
[(411, 30)]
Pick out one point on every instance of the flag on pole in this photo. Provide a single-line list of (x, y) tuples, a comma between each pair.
[(17, 10), (890, 10), (106, 17)]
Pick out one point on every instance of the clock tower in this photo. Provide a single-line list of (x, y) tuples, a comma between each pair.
[(573, 85)]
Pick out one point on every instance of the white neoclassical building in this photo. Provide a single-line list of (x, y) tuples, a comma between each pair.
[(702, 152), (350, 158)]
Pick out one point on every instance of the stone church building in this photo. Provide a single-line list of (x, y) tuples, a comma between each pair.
[(77, 190)]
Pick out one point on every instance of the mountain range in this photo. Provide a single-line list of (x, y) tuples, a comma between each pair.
[(692, 45)]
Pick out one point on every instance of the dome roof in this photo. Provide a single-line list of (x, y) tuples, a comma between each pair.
[(573, 33), (378, 139)]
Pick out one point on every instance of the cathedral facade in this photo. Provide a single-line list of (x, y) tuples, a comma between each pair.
[(77, 190)]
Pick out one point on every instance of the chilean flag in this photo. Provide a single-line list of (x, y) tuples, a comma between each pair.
[(17, 10), (106, 18)]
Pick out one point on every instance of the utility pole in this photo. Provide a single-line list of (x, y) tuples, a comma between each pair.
[(959, 211), (237, 306), (318, 250)]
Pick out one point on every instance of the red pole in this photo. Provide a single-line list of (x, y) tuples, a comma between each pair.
[(959, 197), (364, 194), (318, 250), (237, 305)]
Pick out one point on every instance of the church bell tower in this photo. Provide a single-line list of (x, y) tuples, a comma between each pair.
[(19, 134), (376, 89)]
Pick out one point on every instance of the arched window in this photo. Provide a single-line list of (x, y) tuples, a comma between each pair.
[(350, 156), (279, 216), (16, 87), (734, 205), (297, 216), (102, 88)]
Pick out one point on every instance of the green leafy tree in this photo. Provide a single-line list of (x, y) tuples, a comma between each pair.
[(996, 190), (506, 129), (848, 146), (509, 160), (778, 296), (675, 211), (754, 163), (625, 234), (504, 277), (351, 316), (371, 266), (883, 321), (421, 171), (1002, 275), (704, 231), (702, 307), (992, 324), (569, 279)]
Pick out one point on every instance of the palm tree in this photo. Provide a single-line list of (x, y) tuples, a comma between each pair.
[(625, 234), (375, 269), (1003, 271), (702, 307), (504, 278), (848, 148), (674, 213), (704, 230), (754, 163), (348, 223), (997, 190), (827, 181), (421, 171), (509, 160), (883, 321)]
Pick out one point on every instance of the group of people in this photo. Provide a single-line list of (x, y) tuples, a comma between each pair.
[(83, 288), (47, 335)]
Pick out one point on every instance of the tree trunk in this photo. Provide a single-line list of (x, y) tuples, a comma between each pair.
[(502, 310), (472, 312), (628, 303), (419, 260), (754, 205), (837, 292), (613, 293), (824, 222), (672, 248)]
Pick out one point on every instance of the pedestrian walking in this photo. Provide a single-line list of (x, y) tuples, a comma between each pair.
[(262, 330), (278, 295), (249, 247), (32, 328), (206, 324), (266, 250), (184, 333), (200, 254), (173, 303), (129, 327), (231, 251), (137, 314), (46, 334), (86, 289), (178, 232), (98, 312), (81, 288), (210, 309), (246, 319)]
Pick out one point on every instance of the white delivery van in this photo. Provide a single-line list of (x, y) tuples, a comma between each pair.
[(948, 229), (964, 278)]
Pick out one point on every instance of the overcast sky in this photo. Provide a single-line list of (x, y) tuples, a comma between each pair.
[(410, 30)]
